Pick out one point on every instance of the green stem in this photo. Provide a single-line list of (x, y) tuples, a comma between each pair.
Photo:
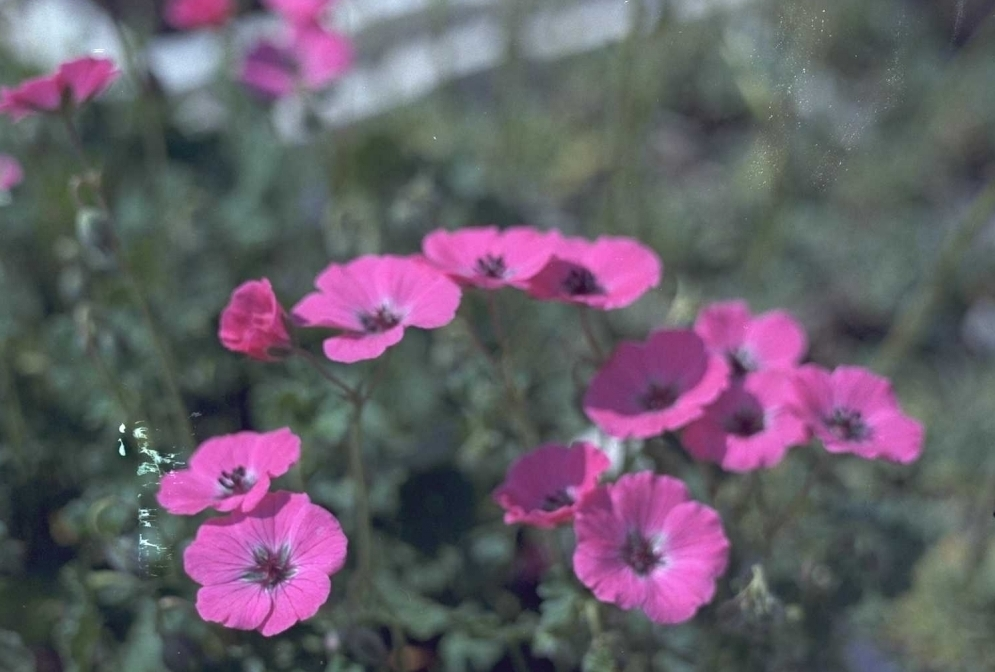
[(527, 433), (135, 291), (319, 365), (592, 341), (910, 325), (364, 531)]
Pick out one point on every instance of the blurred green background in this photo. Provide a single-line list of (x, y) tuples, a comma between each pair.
[(833, 159)]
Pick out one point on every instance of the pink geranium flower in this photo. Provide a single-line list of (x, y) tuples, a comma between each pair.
[(647, 388), (253, 322), (771, 340), (611, 272), (267, 568), (642, 544), (74, 83), (488, 257), (229, 472), (190, 14), (372, 299), (852, 410), (542, 487), (312, 59), (750, 426), (11, 173)]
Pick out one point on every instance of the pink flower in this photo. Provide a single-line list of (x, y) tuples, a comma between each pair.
[(490, 258), (647, 388), (611, 272), (253, 321), (75, 82), (372, 299), (851, 410), (642, 544), (267, 568), (190, 14), (771, 340), (750, 426), (229, 472), (299, 11), (11, 173), (311, 59), (542, 487)]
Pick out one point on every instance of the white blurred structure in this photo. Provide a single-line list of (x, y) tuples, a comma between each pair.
[(437, 41)]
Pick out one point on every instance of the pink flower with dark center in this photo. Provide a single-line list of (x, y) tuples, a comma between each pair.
[(372, 299), (750, 426), (643, 544), (611, 272), (229, 472), (771, 340), (74, 83), (488, 257), (268, 568), (310, 59), (852, 410), (11, 173), (542, 487), (253, 322), (190, 14), (647, 388)]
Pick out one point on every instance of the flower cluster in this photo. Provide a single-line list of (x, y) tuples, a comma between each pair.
[(732, 387), (267, 564), (310, 55), (190, 14)]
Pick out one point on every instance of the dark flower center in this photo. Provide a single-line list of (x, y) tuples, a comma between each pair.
[(848, 425), (382, 319), (741, 362), (581, 282), (491, 266), (639, 553), (744, 422), (236, 481), (659, 397), (556, 500), (270, 567)]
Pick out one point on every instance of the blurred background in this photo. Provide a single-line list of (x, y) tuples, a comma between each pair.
[(833, 159)]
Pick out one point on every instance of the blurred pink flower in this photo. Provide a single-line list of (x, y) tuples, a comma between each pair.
[(647, 388), (372, 299), (771, 340), (542, 487), (190, 14), (322, 55), (268, 568), (299, 11), (253, 322), (11, 173), (229, 472), (74, 83), (852, 410), (310, 56), (642, 544), (487, 257), (611, 272), (750, 426)]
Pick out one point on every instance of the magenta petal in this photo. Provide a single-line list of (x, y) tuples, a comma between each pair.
[(349, 348), (87, 77), (185, 493), (298, 600), (244, 606)]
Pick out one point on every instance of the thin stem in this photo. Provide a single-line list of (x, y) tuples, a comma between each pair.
[(364, 532), (908, 329), (789, 512), (137, 294), (518, 661), (592, 341), (527, 433), (18, 427), (319, 365)]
